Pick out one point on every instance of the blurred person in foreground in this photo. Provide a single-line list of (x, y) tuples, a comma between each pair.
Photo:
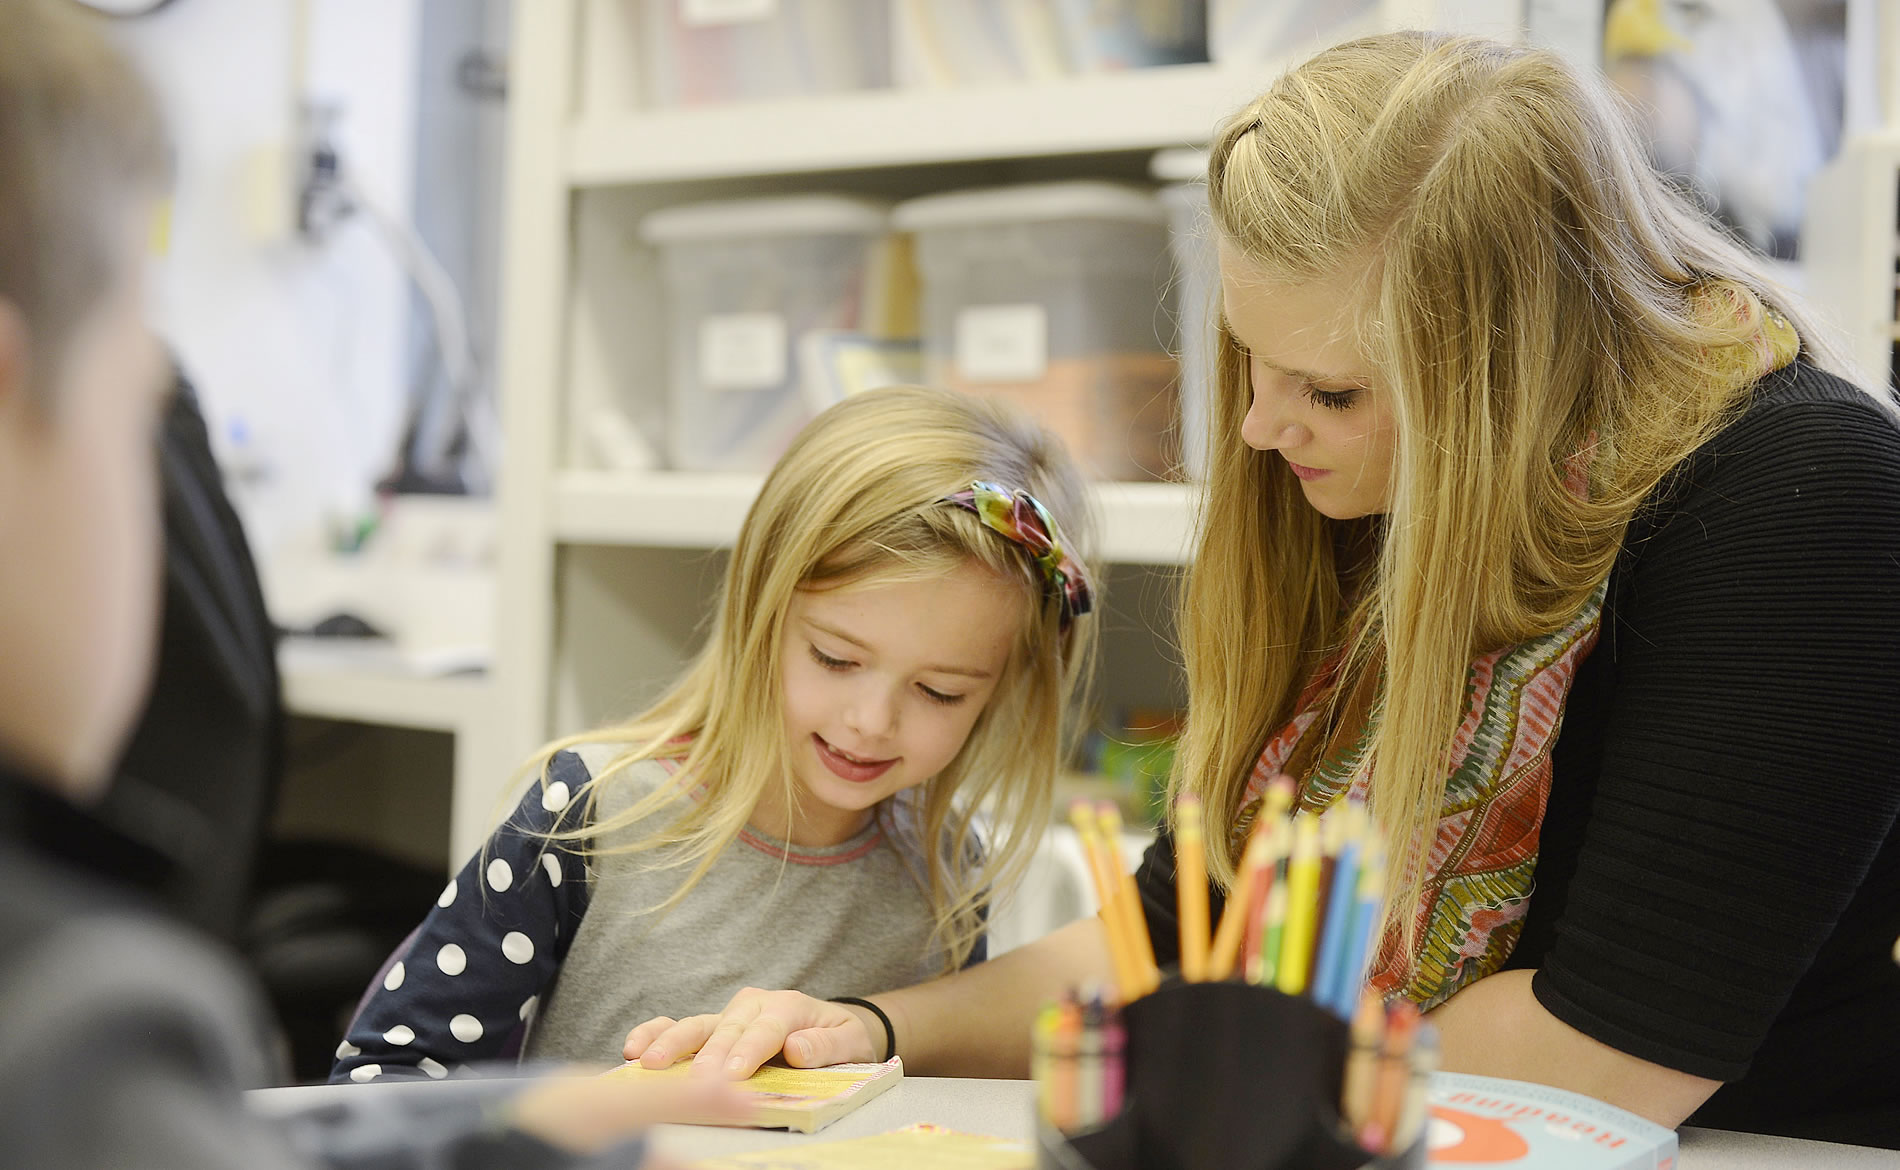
[(122, 1041)]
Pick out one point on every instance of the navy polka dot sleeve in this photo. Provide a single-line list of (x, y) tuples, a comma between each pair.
[(464, 986)]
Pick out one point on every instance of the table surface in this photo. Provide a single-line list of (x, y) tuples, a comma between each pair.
[(1003, 1109)]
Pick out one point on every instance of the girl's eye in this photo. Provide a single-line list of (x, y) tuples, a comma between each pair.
[(1331, 399), (827, 661), (936, 696)]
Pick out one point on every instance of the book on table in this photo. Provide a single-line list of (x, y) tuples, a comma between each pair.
[(1486, 1123), (915, 1147), (802, 1099)]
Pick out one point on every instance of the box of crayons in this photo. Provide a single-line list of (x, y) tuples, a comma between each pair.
[(1264, 1052)]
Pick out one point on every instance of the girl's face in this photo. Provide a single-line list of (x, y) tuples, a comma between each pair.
[(1315, 401), (882, 685)]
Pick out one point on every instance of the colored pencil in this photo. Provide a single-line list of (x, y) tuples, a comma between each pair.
[(1190, 883), (1302, 881), (1134, 922)]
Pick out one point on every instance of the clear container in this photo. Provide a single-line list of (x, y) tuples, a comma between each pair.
[(705, 52), (752, 287), (975, 41), (1050, 295), (1196, 291)]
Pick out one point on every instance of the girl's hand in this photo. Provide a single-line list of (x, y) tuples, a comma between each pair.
[(756, 1026)]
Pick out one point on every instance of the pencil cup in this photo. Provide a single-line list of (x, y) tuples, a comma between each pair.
[(1230, 1076)]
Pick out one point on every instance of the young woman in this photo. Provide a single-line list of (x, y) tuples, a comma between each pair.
[(1538, 515)]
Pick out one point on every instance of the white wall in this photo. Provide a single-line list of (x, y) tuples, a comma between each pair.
[(302, 347)]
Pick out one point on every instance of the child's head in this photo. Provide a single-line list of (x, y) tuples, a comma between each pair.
[(892, 623), (81, 161), (887, 624)]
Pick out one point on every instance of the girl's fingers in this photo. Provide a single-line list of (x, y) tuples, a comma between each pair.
[(841, 1043), (642, 1037), (681, 1039), (737, 1019)]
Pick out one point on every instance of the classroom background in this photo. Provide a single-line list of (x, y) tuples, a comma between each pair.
[(497, 311)]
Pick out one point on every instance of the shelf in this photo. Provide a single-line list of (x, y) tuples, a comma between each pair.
[(1141, 109), (366, 685), (1142, 523)]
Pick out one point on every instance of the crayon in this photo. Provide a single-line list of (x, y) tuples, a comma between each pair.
[(1395, 1074)]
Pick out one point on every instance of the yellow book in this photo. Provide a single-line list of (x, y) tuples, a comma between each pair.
[(915, 1147), (804, 1099)]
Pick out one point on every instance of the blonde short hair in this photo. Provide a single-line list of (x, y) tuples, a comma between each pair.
[(80, 138)]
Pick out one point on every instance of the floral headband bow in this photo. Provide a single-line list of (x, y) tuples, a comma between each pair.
[(1022, 519)]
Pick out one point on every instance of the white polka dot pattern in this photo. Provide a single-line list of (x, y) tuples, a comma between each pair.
[(402, 1035), (466, 1028), (346, 1050), (552, 864), (448, 895), (394, 979), (500, 875), (555, 796), (451, 959), (364, 1073), (532, 1005), (518, 947), (434, 1068)]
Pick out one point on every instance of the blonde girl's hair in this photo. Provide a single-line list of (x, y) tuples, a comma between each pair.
[(1530, 297), (858, 502)]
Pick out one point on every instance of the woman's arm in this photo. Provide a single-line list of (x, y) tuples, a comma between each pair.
[(974, 1023), (1496, 1028)]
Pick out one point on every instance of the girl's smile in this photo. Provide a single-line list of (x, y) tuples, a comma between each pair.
[(847, 766)]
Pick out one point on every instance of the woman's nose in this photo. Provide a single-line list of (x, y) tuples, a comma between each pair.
[(1269, 425)]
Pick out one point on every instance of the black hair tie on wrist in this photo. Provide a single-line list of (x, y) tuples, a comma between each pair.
[(890, 1033)]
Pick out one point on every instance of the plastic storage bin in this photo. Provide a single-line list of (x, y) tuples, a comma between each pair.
[(751, 286), (704, 52), (1196, 291), (1050, 295), (973, 41)]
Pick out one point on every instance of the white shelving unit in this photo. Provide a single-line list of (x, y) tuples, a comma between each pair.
[(605, 574)]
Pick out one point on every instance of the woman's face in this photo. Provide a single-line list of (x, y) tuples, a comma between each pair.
[(1315, 401)]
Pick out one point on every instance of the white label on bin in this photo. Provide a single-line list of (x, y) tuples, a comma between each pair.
[(701, 13), (1002, 343), (742, 351)]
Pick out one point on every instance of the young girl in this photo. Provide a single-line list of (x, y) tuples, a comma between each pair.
[(896, 643), (1537, 514)]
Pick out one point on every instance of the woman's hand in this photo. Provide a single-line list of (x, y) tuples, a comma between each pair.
[(754, 1027)]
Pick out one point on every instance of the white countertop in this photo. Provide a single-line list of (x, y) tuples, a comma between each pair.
[(1002, 1109)]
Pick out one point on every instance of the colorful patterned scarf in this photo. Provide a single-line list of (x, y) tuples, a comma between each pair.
[(1484, 855)]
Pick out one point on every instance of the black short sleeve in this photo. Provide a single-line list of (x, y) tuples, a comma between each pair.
[(1749, 747)]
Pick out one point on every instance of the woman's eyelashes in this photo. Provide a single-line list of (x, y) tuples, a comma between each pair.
[(1331, 399), (842, 664)]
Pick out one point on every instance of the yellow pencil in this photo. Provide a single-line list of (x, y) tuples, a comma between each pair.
[(1302, 893), (1082, 816), (1134, 922), (1233, 919), (1190, 884)]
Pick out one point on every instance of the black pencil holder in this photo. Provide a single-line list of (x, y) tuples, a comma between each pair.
[(1226, 1076)]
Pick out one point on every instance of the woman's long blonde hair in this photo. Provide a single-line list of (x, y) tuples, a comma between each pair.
[(1531, 293), (858, 501)]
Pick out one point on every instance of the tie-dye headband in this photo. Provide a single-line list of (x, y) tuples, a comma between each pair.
[(1022, 519)]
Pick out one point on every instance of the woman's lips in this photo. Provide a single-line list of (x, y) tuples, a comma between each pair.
[(1306, 473), (845, 767)]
